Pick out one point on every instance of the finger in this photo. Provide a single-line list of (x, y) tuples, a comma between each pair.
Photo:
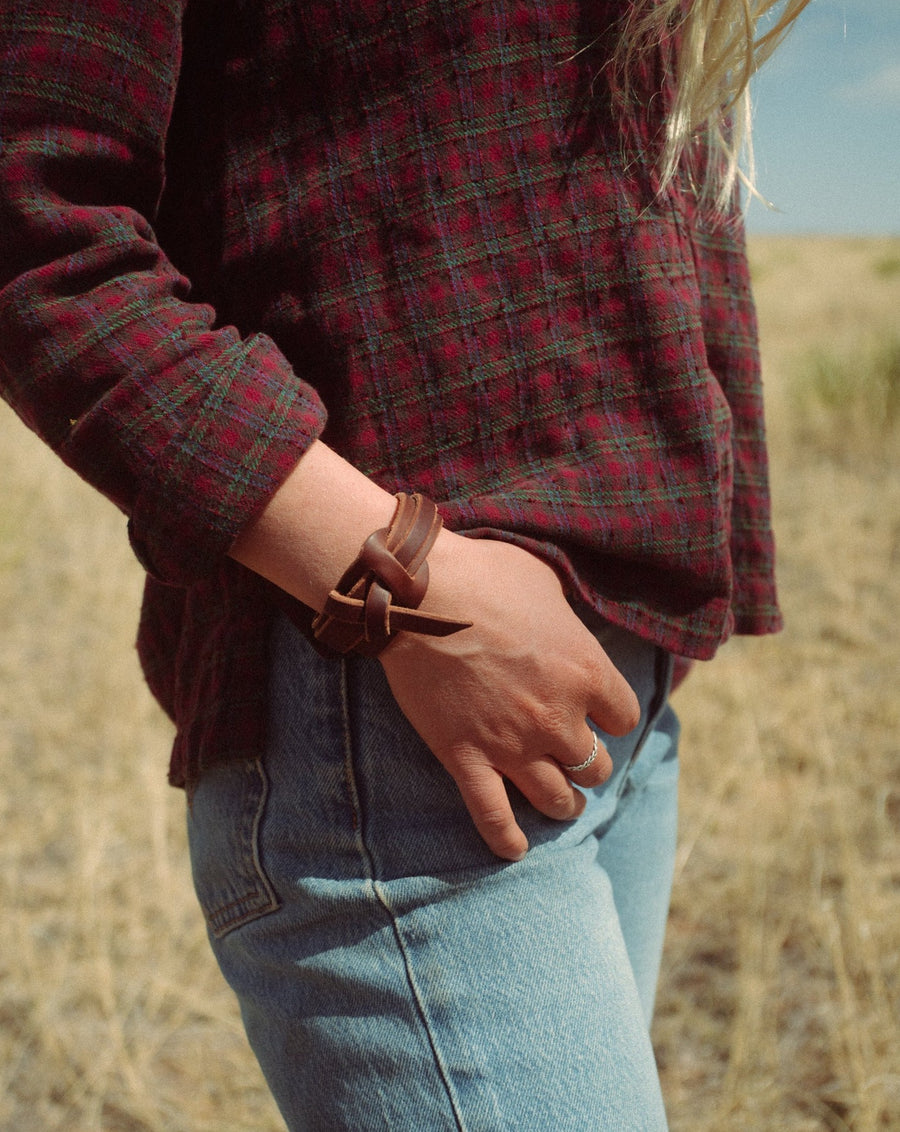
[(485, 797), (582, 756), (596, 765), (612, 704), (548, 790)]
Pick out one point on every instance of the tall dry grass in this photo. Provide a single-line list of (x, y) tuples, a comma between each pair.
[(779, 1000)]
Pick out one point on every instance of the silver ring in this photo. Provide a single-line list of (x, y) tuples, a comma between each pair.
[(587, 762)]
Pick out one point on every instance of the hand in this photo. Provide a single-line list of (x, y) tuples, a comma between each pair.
[(509, 697)]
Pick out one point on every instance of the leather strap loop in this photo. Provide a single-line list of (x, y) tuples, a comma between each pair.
[(377, 611), (405, 585), (379, 594)]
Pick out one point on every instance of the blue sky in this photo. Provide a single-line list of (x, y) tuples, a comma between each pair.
[(827, 123)]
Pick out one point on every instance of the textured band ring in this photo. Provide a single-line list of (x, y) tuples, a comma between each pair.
[(587, 762)]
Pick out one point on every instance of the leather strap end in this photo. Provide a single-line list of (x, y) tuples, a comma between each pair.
[(350, 614)]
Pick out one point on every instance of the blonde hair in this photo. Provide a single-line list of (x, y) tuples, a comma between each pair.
[(710, 49)]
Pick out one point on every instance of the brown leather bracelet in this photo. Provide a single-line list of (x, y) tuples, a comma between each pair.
[(379, 594)]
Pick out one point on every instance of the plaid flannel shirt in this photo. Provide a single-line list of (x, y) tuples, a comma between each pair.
[(411, 227)]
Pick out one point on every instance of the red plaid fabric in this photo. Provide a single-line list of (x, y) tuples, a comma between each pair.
[(414, 229)]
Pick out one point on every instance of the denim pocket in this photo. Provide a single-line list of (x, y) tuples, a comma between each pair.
[(223, 833)]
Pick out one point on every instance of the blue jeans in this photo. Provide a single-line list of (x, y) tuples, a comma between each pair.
[(392, 973)]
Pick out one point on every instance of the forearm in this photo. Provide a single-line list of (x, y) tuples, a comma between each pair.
[(314, 525), (150, 396)]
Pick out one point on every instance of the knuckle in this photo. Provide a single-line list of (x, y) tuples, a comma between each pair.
[(558, 802), (468, 758), (603, 772), (500, 832), (551, 717), (602, 673), (493, 819)]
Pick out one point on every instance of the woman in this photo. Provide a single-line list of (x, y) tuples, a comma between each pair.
[(483, 253)]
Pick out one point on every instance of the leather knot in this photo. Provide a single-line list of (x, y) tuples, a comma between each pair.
[(379, 594)]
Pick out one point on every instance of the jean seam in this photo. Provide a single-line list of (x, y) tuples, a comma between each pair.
[(381, 897), (263, 900)]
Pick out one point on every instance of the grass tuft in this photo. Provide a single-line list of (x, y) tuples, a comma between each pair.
[(850, 396), (887, 266), (868, 384)]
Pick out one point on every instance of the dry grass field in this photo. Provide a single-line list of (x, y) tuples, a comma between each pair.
[(780, 998)]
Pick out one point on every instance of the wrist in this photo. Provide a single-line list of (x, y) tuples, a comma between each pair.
[(381, 593), (451, 569)]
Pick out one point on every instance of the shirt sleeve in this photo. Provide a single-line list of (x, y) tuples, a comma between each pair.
[(184, 424)]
